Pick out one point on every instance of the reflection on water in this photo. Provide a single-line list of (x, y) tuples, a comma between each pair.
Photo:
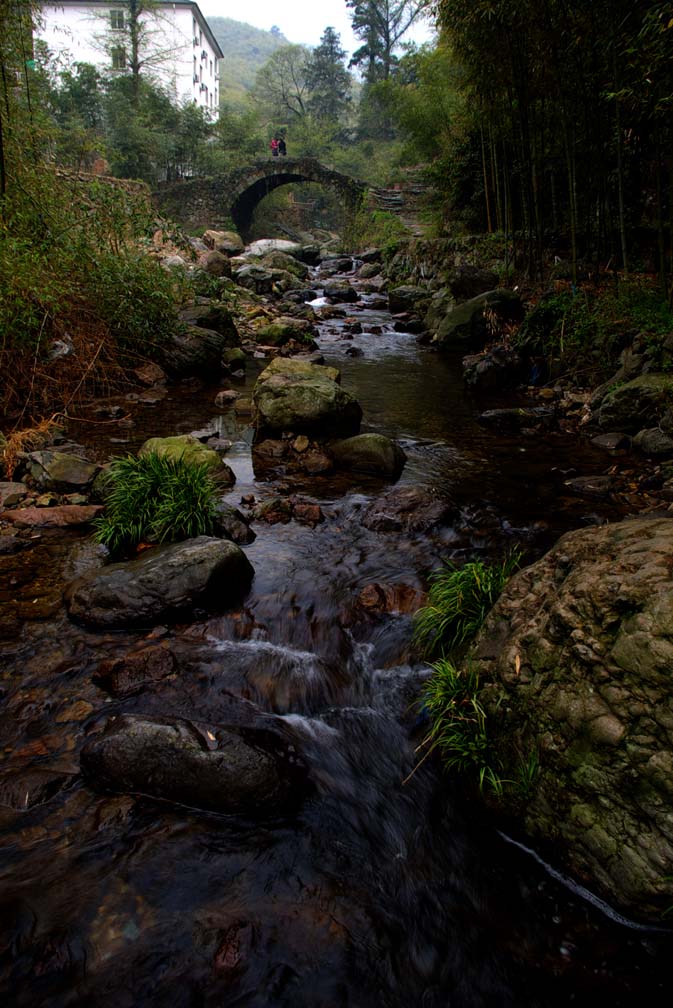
[(378, 892)]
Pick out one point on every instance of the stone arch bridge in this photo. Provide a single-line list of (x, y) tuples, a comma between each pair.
[(230, 199)]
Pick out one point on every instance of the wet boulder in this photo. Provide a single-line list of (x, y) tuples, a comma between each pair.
[(512, 420), (254, 278), (340, 291), (332, 265), (232, 524), (408, 509), (194, 350), (405, 298), (135, 671), (637, 404), (654, 443), (204, 766), (292, 395), (282, 261), (467, 282), (228, 242), (468, 323), (55, 470), (162, 583), (500, 367), (574, 665), (214, 315), (283, 329), (189, 449), (215, 263), (264, 246), (60, 516), (371, 453)]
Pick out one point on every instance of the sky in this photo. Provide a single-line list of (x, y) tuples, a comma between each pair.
[(301, 21)]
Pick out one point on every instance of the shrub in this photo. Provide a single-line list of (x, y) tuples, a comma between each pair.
[(155, 499), (458, 601)]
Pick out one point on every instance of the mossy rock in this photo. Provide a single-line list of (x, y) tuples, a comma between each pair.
[(638, 404), (189, 449)]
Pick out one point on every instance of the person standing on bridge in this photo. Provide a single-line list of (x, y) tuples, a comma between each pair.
[(274, 147), (282, 149)]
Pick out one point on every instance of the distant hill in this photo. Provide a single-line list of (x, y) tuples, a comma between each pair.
[(246, 50)]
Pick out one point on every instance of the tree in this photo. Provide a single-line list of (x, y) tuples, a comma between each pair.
[(381, 24), (281, 86), (134, 40), (327, 79)]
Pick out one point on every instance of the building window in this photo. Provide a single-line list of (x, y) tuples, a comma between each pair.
[(119, 58), (117, 20)]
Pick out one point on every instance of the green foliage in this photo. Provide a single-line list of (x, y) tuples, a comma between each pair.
[(578, 327), (458, 721), (151, 498), (246, 50), (459, 733), (458, 601), (328, 80), (377, 228), (136, 298)]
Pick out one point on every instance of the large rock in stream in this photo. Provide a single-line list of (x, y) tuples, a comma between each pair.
[(468, 324), (575, 668), (372, 453), (294, 395), (203, 766), (637, 404), (163, 583)]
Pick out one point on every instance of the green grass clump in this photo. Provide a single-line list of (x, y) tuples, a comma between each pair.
[(458, 602), (155, 499), (458, 721), (458, 733)]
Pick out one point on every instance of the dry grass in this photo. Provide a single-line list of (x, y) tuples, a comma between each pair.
[(28, 440)]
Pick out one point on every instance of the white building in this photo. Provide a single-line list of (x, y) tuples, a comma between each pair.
[(177, 49)]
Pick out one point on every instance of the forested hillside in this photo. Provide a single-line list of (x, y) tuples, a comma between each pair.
[(246, 50)]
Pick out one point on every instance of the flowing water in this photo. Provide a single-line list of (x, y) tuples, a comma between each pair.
[(386, 887)]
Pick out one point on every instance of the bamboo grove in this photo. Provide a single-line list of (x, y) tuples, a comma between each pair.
[(572, 103)]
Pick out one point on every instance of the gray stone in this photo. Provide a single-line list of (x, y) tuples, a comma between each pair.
[(574, 664), (408, 509), (255, 278), (189, 449), (215, 263), (654, 443), (468, 322), (199, 765), (636, 405), (52, 470), (227, 242), (340, 291), (498, 368), (232, 524), (611, 442), (193, 351), (12, 494), (164, 582), (595, 487), (372, 453), (297, 396), (402, 299)]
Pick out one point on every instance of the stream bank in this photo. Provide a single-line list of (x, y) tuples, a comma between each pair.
[(372, 892)]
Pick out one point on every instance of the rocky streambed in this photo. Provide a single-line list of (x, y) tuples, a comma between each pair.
[(213, 804)]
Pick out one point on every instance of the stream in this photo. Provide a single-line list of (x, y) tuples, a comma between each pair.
[(386, 887)]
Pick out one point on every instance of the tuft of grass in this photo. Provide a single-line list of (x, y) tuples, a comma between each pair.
[(458, 724), (458, 602), (155, 499)]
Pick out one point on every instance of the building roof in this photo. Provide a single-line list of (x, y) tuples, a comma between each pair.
[(196, 11)]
